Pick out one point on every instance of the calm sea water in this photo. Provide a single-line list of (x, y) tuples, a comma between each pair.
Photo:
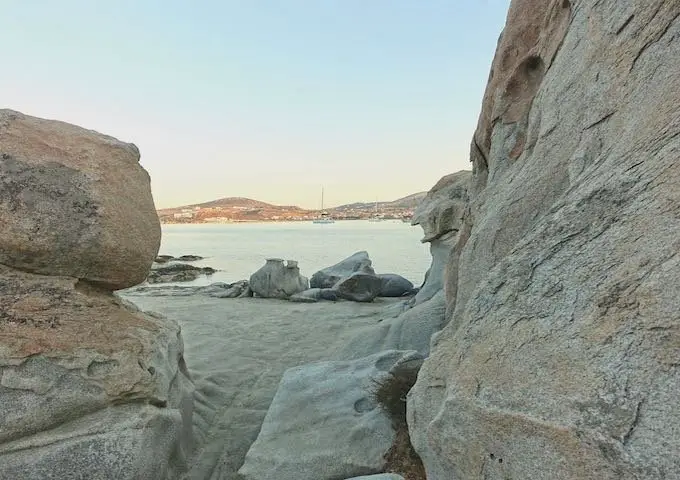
[(239, 249)]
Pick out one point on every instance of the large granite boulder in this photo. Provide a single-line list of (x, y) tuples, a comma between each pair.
[(560, 359), (323, 423), (90, 387), (329, 276), (393, 285), (278, 280), (359, 287), (379, 476), (88, 384), (74, 202)]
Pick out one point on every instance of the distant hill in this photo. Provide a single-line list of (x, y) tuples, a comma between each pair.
[(240, 209), (410, 201)]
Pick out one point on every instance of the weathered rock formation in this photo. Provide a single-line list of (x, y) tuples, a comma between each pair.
[(393, 285), (88, 383), (561, 356), (359, 287), (74, 203), (410, 325), (328, 277), (278, 280), (323, 422)]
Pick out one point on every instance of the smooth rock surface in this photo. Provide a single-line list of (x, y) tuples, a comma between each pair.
[(560, 359), (329, 276), (411, 330), (86, 195), (88, 382), (393, 285), (278, 280), (308, 296), (359, 287), (323, 423)]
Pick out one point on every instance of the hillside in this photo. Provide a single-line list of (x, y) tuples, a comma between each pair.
[(246, 209)]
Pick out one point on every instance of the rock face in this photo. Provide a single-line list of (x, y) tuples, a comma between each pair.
[(410, 325), (560, 359), (323, 423), (88, 383), (359, 287), (393, 285), (276, 280), (74, 203), (177, 272), (328, 277)]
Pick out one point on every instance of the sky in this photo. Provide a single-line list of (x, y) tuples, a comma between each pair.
[(271, 100)]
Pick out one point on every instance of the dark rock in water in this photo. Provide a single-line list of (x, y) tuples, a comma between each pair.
[(359, 287), (328, 294), (394, 285), (328, 277), (311, 295), (183, 258), (227, 290), (278, 280), (177, 272), (189, 258)]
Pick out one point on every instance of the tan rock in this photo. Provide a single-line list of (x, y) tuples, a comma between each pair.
[(74, 203)]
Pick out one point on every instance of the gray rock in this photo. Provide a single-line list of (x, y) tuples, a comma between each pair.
[(233, 290), (86, 195), (393, 285), (311, 295), (411, 330), (105, 390), (359, 287), (276, 280), (560, 360), (323, 423), (328, 294), (328, 277)]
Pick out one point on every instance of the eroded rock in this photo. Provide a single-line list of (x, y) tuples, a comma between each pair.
[(328, 277), (278, 280)]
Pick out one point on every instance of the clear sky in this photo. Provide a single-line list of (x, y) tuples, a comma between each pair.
[(373, 99)]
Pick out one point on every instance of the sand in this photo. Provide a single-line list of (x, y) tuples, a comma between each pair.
[(237, 350)]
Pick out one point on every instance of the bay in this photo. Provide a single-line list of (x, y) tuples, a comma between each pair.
[(238, 249)]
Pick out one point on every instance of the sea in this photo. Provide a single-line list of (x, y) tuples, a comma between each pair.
[(237, 250)]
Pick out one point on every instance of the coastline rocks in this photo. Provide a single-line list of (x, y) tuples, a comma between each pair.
[(86, 195), (177, 272), (89, 385), (240, 289), (359, 287), (323, 423), (393, 285), (561, 354), (88, 381), (329, 276), (183, 258), (278, 280), (311, 295)]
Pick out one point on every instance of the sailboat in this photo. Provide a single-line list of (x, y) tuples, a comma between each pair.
[(325, 217), (375, 217)]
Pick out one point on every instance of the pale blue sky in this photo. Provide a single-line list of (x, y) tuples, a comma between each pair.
[(262, 99)]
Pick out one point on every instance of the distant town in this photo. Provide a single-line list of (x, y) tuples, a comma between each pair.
[(238, 209)]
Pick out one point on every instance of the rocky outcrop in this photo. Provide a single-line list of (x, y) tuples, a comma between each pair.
[(409, 325), (393, 285), (74, 203), (324, 423), (177, 272), (88, 383), (278, 280), (359, 287), (560, 358), (328, 277)]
